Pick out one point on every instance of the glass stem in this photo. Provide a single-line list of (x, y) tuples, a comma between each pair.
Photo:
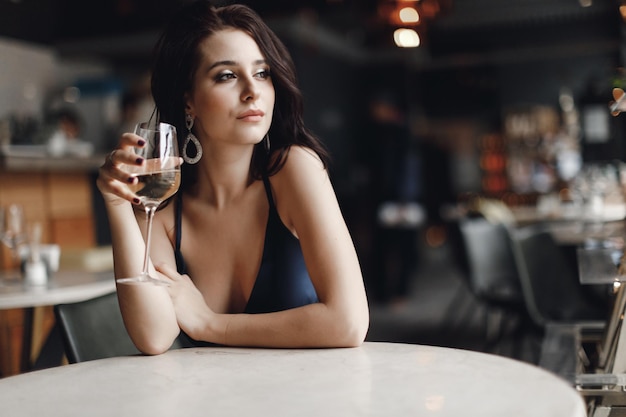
[(150, 209)]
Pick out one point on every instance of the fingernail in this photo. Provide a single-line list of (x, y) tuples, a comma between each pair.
[(139, 161), (141, 142), (136, 201)]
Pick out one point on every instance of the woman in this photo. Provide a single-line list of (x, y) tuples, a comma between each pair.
[(254, 244)]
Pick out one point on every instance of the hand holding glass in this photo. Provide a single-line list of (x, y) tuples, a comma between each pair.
[(158, 178)]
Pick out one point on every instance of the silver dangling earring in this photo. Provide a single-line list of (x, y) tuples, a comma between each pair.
[(266, 142), (191, 138)]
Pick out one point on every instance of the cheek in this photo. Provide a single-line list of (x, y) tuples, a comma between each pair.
[(209, 115), (271, 100), (271, 94), (211, 107), (206, 97), (210, 102)]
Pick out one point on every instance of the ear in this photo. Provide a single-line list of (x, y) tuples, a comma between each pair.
[(188, 104)]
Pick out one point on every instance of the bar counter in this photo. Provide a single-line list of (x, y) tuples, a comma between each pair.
[(36, 160)]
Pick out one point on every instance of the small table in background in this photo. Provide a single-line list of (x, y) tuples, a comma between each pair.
[(65, 286)]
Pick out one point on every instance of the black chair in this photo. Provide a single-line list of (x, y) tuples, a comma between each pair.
[(93, 329), (493, 275), (552, 291), (557, 303), (493, 272)]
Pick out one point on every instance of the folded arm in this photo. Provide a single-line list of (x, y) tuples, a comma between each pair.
[(307, 205)]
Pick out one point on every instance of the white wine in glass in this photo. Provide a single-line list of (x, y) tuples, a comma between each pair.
[(158, 178)]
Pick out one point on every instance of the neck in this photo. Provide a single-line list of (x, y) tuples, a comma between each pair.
[(223, 177)]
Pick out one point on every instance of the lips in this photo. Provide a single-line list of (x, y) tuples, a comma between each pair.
[(251, 115)]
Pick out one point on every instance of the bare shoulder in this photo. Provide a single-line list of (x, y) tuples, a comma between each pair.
[(304, 155), (301, 186), (301, 163)]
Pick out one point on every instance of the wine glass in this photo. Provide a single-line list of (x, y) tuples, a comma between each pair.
[(158, 178), (12, 228)]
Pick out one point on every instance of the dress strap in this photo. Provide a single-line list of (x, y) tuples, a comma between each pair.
[(178, 212), (268, 192)]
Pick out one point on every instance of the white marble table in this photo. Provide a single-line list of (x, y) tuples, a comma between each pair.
[(65, 286), (376, 379)]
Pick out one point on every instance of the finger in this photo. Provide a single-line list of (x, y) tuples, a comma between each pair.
[(131, 140), (110, 173), (124, 153), (115, 169), (122, 157), (108, 184), (110, 157), (114, 180)]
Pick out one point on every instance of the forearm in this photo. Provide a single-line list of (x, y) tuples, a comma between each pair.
[(126, 239), (147, 309), (314, 325)]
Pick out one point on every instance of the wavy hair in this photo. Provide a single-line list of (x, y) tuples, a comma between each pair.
[(177, 56)]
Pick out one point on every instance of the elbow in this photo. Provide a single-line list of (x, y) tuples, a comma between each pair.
[(153, 345), (352, 339), (357, 333), (352, 330), (151, 349)]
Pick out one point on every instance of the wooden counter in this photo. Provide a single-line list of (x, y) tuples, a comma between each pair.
[(55, 191), (58, 193), (51, 164)]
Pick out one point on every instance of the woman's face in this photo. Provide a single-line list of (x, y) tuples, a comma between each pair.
[(233, 95)]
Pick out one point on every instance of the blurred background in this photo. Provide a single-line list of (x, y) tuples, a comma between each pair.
[(500, 100)]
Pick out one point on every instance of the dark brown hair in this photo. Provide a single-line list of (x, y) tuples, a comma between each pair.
[(177, 57)]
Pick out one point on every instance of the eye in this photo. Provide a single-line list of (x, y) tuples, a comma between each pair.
[(225, 76), (263, 74)]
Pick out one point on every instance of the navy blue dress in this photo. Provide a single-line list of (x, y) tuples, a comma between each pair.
[(283, 281)]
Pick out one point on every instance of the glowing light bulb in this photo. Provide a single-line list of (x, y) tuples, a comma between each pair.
[(406, 38), (409, 15)]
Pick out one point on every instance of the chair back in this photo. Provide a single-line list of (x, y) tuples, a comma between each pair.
[(552, 291), (489, 256), (93, 329)]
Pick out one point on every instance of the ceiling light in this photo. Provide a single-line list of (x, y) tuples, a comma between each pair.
[(409, 15), (406, 38)]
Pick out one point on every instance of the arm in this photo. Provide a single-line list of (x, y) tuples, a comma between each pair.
[(147, 310), (308, 206)]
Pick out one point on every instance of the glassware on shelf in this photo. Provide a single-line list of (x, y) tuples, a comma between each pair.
[(600, 261), (35, 272), (12, 232), (12, 227)]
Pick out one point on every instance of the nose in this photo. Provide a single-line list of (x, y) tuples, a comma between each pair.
[(250, 90)]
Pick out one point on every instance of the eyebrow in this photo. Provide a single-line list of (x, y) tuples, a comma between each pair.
[(234, 63)]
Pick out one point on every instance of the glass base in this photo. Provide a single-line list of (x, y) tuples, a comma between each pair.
[(142, 279)]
